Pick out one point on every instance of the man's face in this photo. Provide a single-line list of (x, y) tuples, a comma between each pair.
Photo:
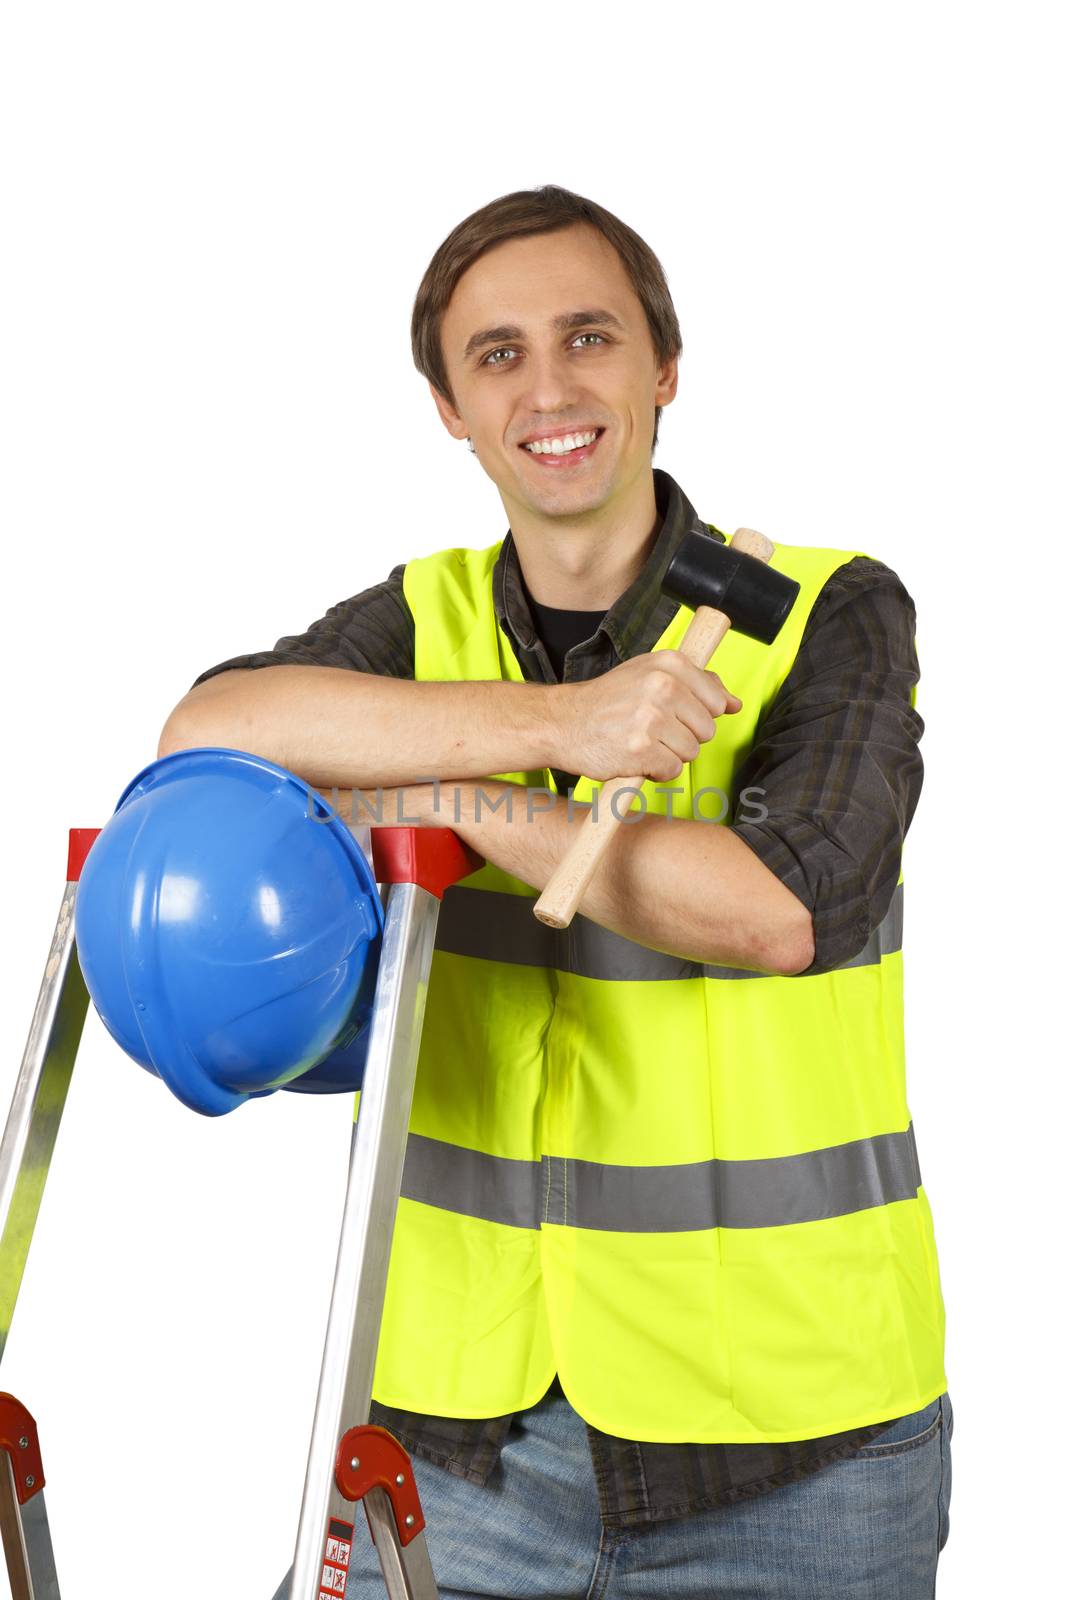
[(544, 338)]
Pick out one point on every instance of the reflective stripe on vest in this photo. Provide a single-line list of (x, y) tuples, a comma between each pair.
[(676, 1199), (501, 927)]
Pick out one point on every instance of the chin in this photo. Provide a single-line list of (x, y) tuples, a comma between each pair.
[(571, 499), (570, 505)]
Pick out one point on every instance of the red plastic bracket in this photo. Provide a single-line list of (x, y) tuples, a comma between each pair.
[(18, 1436), (381, 1463), (80, 843), (433, 858)]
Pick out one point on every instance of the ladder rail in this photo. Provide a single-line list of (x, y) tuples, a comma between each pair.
[(375, 1172), (31, 1564), (26, 1150), (37, 1105)]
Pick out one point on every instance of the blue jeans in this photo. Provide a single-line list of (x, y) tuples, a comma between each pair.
[(867, 1528)]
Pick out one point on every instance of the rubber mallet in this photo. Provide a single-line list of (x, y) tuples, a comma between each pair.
[(728, 586)]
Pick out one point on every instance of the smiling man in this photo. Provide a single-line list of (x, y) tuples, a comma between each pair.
[(594, 367), (663, 1313)]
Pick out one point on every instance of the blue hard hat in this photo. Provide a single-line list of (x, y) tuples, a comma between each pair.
[(228, 928)]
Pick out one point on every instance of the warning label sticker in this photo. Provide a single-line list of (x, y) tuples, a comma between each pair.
[(335, 1559)]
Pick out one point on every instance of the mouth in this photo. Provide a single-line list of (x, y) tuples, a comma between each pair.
[(563, 450)]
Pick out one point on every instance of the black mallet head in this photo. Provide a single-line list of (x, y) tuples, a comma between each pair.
[(756, 598)]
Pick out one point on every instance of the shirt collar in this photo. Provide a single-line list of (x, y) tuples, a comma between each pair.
[(642, 612)]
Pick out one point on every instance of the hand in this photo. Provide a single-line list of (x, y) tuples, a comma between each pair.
[(645, 718)]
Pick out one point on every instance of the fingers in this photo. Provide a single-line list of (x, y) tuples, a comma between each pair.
[(675, 744), (705, 684), (697, 718), (692, 716), (652, 715), (679, 745)]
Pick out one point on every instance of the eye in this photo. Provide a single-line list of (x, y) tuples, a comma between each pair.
[(494, 358)]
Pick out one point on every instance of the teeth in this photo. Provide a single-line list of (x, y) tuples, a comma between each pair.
[(560, 447)]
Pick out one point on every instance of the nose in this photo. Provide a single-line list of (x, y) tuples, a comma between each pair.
[(551, 384)]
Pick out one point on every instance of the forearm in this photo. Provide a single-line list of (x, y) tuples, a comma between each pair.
[(344, 728), (690, 888)]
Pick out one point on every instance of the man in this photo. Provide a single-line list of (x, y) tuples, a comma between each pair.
[(663, 1313)]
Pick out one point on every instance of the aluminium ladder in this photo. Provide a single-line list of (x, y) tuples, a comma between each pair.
[(349, 1460)]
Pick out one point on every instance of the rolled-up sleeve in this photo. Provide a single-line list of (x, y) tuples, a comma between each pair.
[(373, 631), (831, 782)]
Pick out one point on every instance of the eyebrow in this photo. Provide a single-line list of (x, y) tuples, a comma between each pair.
[(561, 324)]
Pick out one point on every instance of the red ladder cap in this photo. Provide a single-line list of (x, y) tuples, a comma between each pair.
[(80, 843), (433, 858)]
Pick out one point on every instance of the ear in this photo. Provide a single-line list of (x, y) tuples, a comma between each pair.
[(450, 416), (667, 382)]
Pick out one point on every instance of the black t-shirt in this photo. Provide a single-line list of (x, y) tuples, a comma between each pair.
[(559, 631)]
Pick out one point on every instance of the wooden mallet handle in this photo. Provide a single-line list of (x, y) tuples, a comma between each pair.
[(559, 899)]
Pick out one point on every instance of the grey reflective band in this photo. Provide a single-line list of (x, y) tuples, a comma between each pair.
[(502, 927), (454, 1178), (768, 1193)]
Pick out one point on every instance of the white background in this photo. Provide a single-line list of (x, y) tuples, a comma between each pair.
[(215, 217)]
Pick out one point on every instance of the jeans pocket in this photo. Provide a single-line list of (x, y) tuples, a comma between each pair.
[(906, 1433), (944, 1494)]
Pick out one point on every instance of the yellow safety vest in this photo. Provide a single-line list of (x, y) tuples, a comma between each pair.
[(692, 1190)]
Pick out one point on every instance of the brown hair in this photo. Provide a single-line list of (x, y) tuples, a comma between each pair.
[(516, 216)]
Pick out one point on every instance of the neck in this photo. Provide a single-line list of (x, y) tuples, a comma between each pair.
[(585, 562)]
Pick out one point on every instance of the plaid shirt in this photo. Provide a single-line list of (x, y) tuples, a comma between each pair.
[(837, 758)]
